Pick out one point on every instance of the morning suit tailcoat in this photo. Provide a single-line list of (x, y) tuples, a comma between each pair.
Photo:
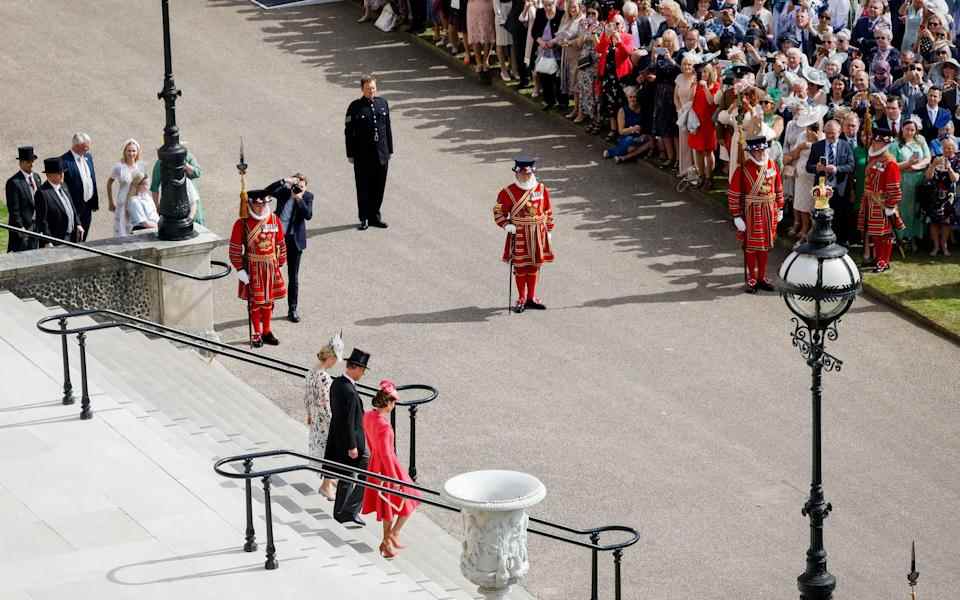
[(842, 160), (52, 218), (22, 210), (346, 421), (369, 141), (71, 179)]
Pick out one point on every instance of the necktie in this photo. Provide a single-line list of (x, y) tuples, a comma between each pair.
[(831, 158), (33, 185), (68, 208)]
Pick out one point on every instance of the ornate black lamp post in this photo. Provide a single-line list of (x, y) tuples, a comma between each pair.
[(175, 221), (819, 283)]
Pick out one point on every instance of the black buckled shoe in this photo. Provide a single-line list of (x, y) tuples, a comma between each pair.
[(363, 226), (256, 341), (535, 304), (270, 339), (750, 287), (765, 285), (519, 307), (379, 224)]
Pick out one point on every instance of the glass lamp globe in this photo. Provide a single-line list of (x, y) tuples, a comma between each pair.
[(818, 279)]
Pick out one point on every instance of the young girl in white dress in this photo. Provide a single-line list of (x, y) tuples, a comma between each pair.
[(140, 208)]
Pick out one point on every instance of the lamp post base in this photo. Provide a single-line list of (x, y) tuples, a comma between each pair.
[(176, 230), (816, 586)]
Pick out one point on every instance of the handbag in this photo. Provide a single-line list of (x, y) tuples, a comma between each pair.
[(547, 65), (387, 19), (587, 61)]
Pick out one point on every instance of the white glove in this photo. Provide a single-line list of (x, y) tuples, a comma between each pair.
[(549, 236), (510, 228), (243, 277), (740, 225), (889, 212), (779, 215)]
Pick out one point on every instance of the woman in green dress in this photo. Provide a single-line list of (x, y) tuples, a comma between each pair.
[(193, 172), (913, 156)]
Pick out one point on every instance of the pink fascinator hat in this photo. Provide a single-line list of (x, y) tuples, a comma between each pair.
[(388, 388)]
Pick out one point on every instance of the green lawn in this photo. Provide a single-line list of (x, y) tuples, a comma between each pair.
[(3, 232), (927, 286)]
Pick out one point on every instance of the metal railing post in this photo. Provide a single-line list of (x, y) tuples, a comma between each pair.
[(413, 442), (271, 549), (250, 541), (85, 412), (67, 384), (617, 555), (594, 539), (393, 426)]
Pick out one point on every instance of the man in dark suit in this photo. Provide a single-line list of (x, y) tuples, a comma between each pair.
[(81, 180), (893, 116), (345, 441), (832, 157), (20, 191), (369, 146), (294, 207), (931, 113), (56, 211)]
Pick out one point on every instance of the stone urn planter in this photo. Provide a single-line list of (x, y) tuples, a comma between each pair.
[(494, 507)]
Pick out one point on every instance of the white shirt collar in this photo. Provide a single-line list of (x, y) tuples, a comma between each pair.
[(347, 375), (76, 156), (27, 176)]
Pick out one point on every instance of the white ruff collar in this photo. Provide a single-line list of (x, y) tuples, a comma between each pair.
[(873, 152), (263, 217), (527, 185), (761, 162)]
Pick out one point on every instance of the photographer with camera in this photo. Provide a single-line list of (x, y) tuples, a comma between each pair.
[(294, 208)]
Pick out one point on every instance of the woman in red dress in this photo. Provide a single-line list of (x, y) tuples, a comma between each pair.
[(703, 141), (393, 511)]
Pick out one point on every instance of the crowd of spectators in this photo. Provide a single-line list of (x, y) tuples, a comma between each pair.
[(676, 84)]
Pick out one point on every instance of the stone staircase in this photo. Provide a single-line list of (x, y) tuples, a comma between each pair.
[(127, 505)]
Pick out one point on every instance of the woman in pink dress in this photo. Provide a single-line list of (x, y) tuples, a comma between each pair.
[(393, 511)]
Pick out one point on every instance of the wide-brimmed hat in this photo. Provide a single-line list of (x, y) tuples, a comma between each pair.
[(808, 115), (936, 71), (26, 153), (815, 76), (53, 165), (358, 358), (259, 195), (524, 162), (758, 143)]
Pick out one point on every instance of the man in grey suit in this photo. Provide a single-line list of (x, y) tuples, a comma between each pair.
[(832, 157)]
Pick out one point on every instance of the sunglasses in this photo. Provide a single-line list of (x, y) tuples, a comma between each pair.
[(916, 68)]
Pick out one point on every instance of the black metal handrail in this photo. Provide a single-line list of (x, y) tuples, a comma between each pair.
[(210, 277), (335, 470), (208, 345)]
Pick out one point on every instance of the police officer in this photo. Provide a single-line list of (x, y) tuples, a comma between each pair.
[(369, 146)]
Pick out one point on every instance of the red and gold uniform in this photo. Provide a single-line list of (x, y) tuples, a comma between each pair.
[(265, 254), (881, 192), (529, 248), (756, 196)]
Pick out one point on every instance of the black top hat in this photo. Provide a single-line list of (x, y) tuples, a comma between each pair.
[(523, 162), (757, 143), (26, 153), (53, 165), (358, 358), (740, 71), (882, 134)]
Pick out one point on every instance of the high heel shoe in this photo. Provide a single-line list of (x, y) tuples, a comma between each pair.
[(331, 497), (386, 551), (396, 543)]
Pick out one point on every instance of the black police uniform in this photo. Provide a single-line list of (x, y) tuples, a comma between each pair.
[(370, 144)]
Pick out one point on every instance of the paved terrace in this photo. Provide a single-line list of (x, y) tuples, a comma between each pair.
[(652, 393)]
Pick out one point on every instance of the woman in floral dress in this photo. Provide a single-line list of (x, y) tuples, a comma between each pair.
[(317, 402)]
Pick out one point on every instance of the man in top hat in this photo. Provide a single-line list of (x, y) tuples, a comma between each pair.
[(57, 214), (369, 141), (345, 440), (20, 192), (524, 211), (81, 179), (257, 252), (755, 200), (881, 194)]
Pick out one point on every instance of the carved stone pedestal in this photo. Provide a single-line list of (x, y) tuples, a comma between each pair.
[(494, 507)]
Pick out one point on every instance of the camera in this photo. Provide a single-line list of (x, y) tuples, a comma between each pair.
[(296, 188), (823, 161)]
